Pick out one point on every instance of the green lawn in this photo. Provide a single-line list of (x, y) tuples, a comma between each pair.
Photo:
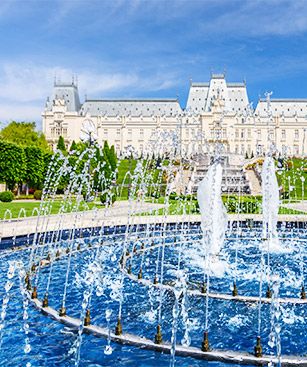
[(247, 204), (124, 179), (294, 179), (22, 209)]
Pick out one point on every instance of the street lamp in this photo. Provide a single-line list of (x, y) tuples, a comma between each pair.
[(88, 132)]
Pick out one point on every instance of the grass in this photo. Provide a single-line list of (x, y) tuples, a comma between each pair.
[(28, 208), (124, 179), (248, 204), (291, 179)]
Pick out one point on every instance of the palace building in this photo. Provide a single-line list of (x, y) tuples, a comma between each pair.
[(217, 111)]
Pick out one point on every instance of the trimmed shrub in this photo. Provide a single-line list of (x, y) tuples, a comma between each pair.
[(285, 195), (107, 198), (6, 196), (38, 194)]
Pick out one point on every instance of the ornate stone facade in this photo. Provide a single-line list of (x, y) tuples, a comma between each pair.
[(215, 111)]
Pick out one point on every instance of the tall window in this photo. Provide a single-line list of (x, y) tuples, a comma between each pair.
[(283, 134), (142, 134), (118, 133), (58, 129), (296, 134), (129, 134)]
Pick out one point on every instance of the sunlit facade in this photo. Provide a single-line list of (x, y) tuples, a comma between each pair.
[(215, 111)]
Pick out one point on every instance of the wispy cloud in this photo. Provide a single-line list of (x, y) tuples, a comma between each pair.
[(142, 48), (260, 18), (24, 88)]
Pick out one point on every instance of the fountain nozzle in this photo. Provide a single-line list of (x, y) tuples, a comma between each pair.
[(87, 319), (34, 293), (27, 278), (268, 293), (62, 311), (140, 275), (205, 347), (235, 290), (45, 301), (258, 347), (118, 328), (158, 336)]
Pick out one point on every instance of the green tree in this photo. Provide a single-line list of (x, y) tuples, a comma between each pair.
[(112, 158), (24, 134), (47, 159), (12, 164), (34, 167), (61, 144), (73, 147)]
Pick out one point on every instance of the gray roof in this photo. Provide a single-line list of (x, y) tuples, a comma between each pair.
[(286, 107), (131, 107), (68, 92), (202, 95)]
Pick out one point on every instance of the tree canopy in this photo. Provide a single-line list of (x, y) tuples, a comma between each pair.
[(24, 134), (12, 164)]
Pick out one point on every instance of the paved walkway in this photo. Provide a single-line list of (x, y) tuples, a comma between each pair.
[(117, 215), (301, 206)]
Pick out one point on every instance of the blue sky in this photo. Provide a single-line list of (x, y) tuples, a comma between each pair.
[(142, 48)]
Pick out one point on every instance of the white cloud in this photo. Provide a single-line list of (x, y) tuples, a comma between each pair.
[(14, 111), (24, 88)]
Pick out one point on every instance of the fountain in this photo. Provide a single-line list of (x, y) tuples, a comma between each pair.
[(154, 277)]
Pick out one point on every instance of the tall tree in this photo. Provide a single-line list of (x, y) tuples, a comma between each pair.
[(12, 164), (73, 147), (34, 167), (112, 158), (24, 134), (61, 144)]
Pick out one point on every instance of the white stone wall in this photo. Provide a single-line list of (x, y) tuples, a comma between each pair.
[(220, 115)]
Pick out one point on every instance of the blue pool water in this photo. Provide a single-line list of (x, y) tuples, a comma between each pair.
[(232, 325)]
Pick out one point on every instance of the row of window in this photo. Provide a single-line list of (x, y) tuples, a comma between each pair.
[(260, 149)]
